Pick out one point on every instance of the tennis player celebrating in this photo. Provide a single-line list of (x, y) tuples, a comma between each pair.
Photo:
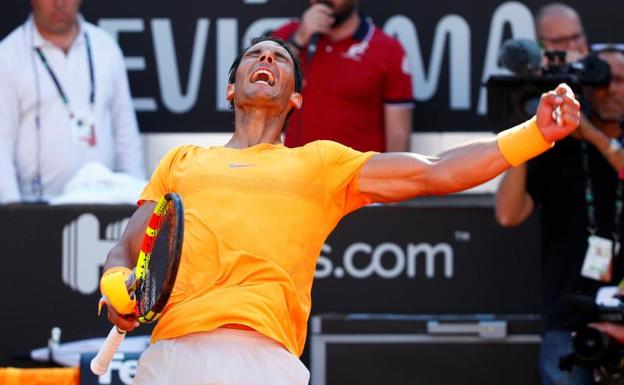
[(257, 214)]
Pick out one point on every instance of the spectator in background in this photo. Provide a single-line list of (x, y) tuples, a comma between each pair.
[(64, 101), (559, 28), (565, 217), (357, 85), (576, 189)]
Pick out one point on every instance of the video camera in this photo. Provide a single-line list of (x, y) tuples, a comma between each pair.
[(513, 99), (591, 348)]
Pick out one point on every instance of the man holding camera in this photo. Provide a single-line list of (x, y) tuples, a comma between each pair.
[(559, 28), (577, 190)]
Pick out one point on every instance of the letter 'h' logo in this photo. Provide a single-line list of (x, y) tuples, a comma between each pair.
[(84, 252)]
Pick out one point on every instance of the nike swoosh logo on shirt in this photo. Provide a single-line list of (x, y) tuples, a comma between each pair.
[(237, 165)]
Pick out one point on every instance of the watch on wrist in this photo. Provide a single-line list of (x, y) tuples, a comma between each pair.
[(614, 146)]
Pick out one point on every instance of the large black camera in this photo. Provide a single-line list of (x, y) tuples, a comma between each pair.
[(512, 99), (591, 348)]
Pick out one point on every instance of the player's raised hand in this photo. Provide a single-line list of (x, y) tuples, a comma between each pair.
[(558, 113)]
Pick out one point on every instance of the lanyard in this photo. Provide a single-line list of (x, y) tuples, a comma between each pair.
[(591, 208), (59, 88), (37, 183)]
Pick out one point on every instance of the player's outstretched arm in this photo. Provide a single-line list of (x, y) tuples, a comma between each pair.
[(391, 177)]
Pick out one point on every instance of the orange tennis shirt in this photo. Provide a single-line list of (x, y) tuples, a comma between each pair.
[(255, 220)]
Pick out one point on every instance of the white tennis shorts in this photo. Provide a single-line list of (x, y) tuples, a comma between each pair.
[(220, 357)]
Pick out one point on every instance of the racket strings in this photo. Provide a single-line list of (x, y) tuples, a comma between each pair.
[(150, 288), (146, 293)]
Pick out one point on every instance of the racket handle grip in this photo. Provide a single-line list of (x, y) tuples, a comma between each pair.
[(99, 363)]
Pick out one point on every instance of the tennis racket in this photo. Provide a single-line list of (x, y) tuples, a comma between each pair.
[(154, 275)]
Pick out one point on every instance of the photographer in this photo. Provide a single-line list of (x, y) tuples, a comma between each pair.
[(559, 28), (580, 198)]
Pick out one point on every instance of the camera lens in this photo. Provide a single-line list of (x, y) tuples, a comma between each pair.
[(590, 345), (529, 106)]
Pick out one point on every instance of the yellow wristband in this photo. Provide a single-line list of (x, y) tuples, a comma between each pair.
[(113, 287), (523, 142)]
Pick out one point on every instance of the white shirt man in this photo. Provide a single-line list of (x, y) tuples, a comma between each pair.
[(49, 128)]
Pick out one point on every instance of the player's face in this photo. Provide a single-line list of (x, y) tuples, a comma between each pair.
[(608, 102), (265, 75), (55, 16)]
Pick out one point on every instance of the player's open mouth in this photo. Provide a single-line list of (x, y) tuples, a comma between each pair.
[(263, 75)]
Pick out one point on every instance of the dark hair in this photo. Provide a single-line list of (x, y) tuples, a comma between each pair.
[(282, 43)]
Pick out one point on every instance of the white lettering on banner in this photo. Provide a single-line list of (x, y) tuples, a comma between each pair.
[(167, 65), (349, 256), (133, 63), (324, 265), (463, 236), (453, 28), (370, 258), (84, 252), (126, 370), (262, 26), (227, 49), (452, 35), (520, 21), (430, 252)]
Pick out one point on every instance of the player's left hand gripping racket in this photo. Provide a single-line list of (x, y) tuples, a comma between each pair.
[(154, 275)]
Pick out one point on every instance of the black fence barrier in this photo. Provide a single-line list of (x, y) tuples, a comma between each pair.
[(442, 256)]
